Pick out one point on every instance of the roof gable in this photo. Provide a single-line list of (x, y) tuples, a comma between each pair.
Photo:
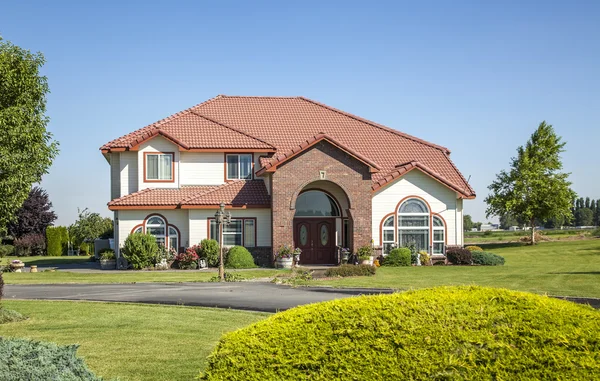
[(278, 124)]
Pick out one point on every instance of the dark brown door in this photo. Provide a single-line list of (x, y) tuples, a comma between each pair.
[(316, 239)]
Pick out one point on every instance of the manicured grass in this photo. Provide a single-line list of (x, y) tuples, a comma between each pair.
[(515, 236), (129, 276), (569, 268), (47, 261), (130, 341)]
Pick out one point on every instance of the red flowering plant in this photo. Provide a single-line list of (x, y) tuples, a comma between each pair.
[(188, 259)]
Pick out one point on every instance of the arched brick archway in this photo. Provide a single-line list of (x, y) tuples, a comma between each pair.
[(322, 163)]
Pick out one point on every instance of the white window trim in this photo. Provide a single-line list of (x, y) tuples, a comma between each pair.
[(159, 161), (239, 166), (424, 228), (243, 232), (438, 228)]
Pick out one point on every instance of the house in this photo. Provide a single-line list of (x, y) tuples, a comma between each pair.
[(291, 171)]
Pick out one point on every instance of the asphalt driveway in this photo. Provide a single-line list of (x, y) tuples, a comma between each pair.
[(255, 296)]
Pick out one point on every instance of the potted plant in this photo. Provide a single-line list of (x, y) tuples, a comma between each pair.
[(345, 255), (297, 253), (284, 257), (365, 255), (108, 261), (16, 266)]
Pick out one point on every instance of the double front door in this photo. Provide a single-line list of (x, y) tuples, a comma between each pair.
[(316, 238)]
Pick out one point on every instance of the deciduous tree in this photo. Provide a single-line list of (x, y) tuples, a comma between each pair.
[(534, 189), (34, 216), (90, 226), (26, 147)]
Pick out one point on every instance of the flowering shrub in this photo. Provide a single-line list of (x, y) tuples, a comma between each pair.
[(424, 258), (285, 251), (187, 260)]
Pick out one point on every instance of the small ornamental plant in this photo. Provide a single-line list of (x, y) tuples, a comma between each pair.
[(365, 252), (188, 259), (285, 252)]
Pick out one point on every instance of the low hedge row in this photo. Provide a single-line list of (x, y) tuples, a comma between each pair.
[(23, 359), (445, 333), (351, 270), (484, 258)]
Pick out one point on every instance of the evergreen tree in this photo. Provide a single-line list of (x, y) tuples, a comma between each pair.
[(587, 202), (534, 189)]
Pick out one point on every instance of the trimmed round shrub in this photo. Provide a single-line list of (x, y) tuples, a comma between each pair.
[(140, 250), (209, 250), (239, 257), (445, 333), (458, 256), (398, 257), (474, 248), (484, 258), (35, 360)]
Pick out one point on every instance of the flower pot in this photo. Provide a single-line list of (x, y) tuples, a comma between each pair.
[(33, 269), (108, 264), (368, 261), (284, 263), (17, 267)]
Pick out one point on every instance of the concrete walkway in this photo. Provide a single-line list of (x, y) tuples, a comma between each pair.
[(255, 296)]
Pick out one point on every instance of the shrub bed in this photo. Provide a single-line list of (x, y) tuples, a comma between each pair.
[(239, 257), (351, 270), (464, 333), (458, 256), (6, 250), (484, 258), (35, 360), (398, 257)]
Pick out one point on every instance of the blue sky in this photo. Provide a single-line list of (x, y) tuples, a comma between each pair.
[(476, 78)]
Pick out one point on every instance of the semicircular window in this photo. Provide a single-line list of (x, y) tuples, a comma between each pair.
[(315, 203)]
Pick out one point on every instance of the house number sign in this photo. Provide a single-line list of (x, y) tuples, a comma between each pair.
[(322, 175)]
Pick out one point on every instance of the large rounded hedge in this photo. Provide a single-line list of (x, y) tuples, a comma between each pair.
[(446, 333), (238, 257)]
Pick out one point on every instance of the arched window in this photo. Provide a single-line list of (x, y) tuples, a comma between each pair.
[(173, 238), (439, 232), (158, 228), (387, 235), (413, 224), (138, 230), (315, 203)]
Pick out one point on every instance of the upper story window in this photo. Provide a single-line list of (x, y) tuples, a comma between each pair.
[(239, 167), (159, 167)]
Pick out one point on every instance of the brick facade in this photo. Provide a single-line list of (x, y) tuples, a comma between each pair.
[(350, 174)]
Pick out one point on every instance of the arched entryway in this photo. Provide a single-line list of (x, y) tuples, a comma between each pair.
[(319, 222)]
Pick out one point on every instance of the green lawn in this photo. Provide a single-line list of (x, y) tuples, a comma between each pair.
[(130, 341), (46, 261), (510, 236), (570, 268), (130, 276)]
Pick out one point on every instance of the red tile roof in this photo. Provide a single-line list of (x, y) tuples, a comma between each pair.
[(281, 157), (249, 193), (285, 123)]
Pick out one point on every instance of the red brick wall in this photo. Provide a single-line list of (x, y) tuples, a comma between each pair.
[(342, 169)]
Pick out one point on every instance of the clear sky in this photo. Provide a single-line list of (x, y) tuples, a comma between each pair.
[(475, 78)]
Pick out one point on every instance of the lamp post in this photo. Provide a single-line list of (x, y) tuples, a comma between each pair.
[(222, 218)]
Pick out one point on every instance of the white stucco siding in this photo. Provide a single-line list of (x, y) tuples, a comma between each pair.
[(199, 223), (128, 173), (128, 219), (115, 181), (441, 199), (158, 144), (202, 168)]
